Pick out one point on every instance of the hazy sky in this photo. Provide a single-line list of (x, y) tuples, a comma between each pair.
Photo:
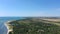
[(29, 7)]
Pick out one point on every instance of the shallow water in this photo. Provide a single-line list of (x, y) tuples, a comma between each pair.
[(3, 29)]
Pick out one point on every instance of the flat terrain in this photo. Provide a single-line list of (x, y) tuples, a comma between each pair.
[(36, 26), (56, 20)]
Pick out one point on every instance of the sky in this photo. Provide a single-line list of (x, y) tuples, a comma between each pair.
[(30, 8)]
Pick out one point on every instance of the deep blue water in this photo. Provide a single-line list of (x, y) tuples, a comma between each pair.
[(3, 29)]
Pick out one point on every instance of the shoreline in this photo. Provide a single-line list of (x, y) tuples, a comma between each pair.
[(8, 30)]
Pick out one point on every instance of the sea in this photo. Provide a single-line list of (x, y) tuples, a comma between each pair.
[(3, 29)]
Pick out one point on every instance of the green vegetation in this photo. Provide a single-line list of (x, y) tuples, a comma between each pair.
[(34, 26)]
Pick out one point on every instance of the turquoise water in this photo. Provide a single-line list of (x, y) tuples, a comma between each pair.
[(3, 29)]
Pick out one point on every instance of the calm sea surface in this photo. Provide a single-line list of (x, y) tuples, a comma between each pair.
[(3, 29)]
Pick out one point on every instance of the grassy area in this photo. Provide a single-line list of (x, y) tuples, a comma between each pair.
[(34, 26)]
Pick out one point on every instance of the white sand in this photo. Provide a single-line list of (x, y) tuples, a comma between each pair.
[(7, 27)]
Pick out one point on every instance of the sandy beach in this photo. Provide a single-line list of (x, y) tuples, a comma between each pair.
[(7, 27)]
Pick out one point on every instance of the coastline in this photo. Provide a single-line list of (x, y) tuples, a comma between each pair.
[(6, 25)]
